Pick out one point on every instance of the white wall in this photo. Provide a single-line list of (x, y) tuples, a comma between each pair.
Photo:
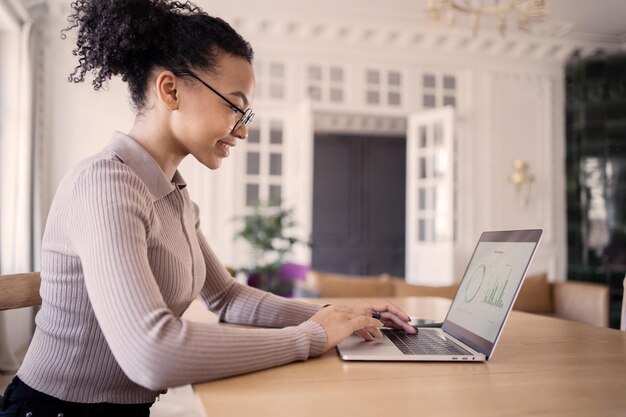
[(77, 120), (511, 108), (17, 323)]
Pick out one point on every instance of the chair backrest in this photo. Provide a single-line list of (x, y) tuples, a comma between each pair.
[(582, 301), (339, 285), (404, 289), (623, 327), (19, 290)]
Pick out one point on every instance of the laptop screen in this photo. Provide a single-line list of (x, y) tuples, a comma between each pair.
[(490, 285)]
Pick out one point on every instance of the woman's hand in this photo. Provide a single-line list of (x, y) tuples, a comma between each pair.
[(390, 314), (340, 321)]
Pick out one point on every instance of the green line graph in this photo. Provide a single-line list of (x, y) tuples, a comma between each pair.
[(475, 283)]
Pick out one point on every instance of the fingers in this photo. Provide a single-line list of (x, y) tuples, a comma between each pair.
[(360, 321), (375, 331), (394, 321), (383, 306), (369, 333), (390, 314), (365, 335)]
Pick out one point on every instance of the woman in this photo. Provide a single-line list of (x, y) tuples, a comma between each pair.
[(123, 255)]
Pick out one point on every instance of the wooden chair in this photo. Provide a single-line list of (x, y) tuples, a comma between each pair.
[(19, 291), (623, 326), (339, 285)]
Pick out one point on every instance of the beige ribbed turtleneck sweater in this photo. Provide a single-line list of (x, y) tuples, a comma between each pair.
[(122, 259)]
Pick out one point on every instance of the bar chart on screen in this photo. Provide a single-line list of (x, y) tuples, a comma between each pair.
[(500, 279)]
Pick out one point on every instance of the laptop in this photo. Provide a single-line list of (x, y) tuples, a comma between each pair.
[(478, 312)]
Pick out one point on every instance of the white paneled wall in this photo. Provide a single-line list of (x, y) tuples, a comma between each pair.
[(370, 61)]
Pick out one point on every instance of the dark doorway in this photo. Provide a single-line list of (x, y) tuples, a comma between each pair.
[(359, 204)]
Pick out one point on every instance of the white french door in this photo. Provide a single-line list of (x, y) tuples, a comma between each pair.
[(275, 163), (430, 197)]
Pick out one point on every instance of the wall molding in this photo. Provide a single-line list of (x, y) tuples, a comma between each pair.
[(330, 122), (554, 42)]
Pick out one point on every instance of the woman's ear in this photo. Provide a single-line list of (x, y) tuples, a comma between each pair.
[(167, 92)]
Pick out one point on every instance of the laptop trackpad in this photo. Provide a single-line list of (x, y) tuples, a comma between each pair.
[(378, 347)]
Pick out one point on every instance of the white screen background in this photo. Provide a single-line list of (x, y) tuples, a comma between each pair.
[(488, 287)]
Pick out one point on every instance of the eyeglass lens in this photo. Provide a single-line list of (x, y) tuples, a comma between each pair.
[(245, 119)]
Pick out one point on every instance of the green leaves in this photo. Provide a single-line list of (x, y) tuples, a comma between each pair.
[(266, 230)]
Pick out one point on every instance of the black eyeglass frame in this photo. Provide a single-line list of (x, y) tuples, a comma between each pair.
[(246, 116)]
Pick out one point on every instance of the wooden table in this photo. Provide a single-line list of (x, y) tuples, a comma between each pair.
[(541, 367)]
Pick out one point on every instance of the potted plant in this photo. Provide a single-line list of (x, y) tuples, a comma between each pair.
[(266, 231)]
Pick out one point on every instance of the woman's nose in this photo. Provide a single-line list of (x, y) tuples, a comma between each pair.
[(241, 132)]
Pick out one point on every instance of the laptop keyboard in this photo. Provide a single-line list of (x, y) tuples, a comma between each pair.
[(426, 342)]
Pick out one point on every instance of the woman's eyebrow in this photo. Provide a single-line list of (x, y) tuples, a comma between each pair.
[(242, 96)]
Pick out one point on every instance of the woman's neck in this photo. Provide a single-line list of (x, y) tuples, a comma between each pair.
[(159, 143)]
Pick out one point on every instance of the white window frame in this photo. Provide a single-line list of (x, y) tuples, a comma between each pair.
[(326, 85)]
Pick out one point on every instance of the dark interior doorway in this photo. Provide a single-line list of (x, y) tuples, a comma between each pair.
[(359, 204)]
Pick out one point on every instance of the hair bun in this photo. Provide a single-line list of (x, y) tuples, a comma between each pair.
[(132, 37), (120, 37)]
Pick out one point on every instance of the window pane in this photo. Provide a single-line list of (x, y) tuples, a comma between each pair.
[(252, 194), (277, 70), (373, 77), (315, 73), (429, 100), (336, 74), (275, 195), (438, 128), (421, 203), (394, 99), (253, 163), (423, 137), (394, 78), (449, 82), (373, 97), (422, 168), (421, 233), (449, 101), (276, 134), (429, 81), (253, 135), (315, 93), (336, 95), (276, 164)]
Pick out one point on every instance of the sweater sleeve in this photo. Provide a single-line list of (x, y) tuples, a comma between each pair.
[(109, 225), (241, 304)]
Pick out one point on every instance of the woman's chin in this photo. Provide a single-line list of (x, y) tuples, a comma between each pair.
[(211, 162)]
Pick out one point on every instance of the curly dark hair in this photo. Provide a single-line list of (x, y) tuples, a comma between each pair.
[(132, 37)]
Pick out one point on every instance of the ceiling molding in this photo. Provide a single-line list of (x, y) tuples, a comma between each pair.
[(554, 42), (526, 46)]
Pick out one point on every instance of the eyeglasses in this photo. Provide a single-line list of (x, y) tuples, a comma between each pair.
[(246, 116)]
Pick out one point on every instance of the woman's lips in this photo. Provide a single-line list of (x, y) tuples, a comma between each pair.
[(224, 147)]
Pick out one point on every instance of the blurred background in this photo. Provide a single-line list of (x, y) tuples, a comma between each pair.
[(388, 136)]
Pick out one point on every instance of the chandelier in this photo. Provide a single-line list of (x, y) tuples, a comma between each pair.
[(527, 12)]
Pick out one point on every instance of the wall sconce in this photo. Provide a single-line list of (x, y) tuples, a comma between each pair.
[(522, 180)]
